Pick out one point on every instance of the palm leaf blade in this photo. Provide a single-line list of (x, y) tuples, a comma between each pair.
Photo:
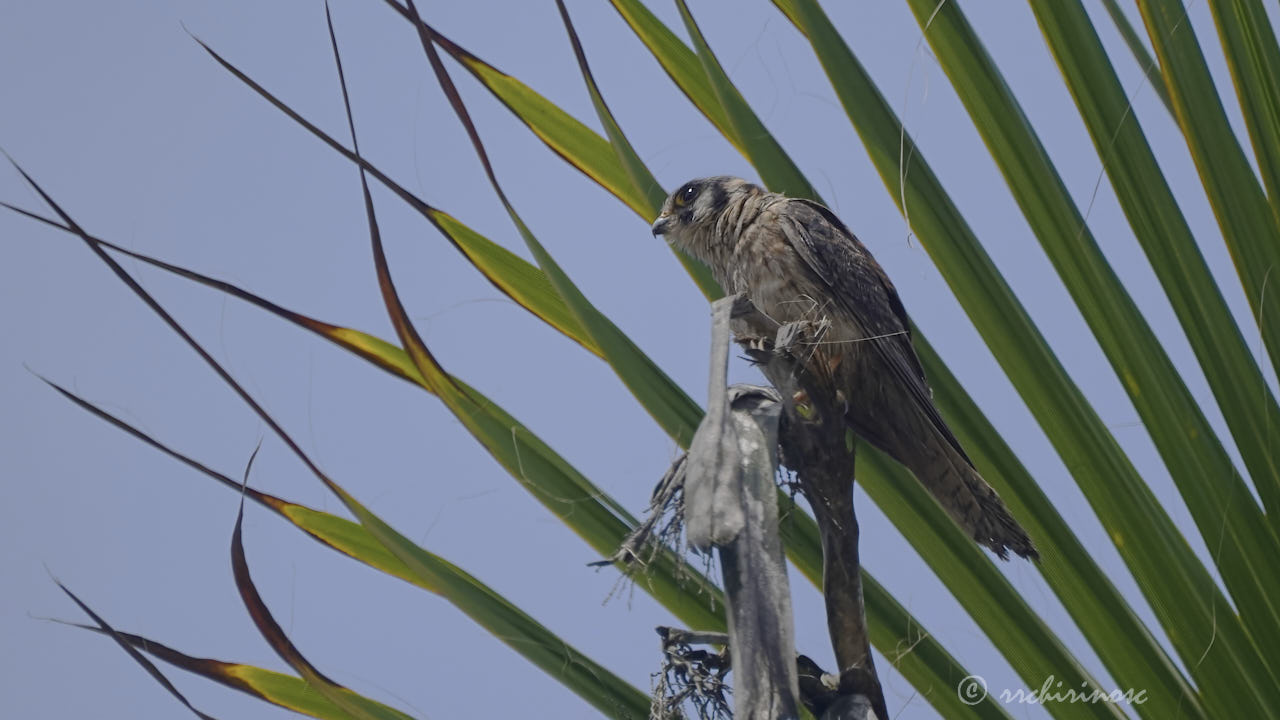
[(1199, 464), (1247, 222)]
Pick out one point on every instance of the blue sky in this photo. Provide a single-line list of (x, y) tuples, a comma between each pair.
[(148, 143)]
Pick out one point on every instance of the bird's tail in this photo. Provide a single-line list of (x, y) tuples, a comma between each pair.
[(993, 525), (920, 440), (970, 501)]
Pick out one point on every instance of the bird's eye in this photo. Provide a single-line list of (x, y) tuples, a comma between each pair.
[(686, 195)]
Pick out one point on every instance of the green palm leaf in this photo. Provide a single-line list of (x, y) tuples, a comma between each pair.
[(1198, 464), (1150, 70), (1158, 223), (1254, 59), (1238, 384), (282, 690), (1161, 562), (595, 684), (1247, 222)]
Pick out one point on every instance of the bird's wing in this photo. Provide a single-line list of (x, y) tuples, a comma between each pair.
[(864, 293)]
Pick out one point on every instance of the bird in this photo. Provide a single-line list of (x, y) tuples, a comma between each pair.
[(798, 263)]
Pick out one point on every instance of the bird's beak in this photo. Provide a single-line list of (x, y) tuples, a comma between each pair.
[(660, 225)]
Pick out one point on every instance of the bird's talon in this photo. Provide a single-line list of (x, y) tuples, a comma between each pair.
[(759, 350), (800, 399)]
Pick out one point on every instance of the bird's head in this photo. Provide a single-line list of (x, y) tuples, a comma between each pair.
[(690, 215)]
